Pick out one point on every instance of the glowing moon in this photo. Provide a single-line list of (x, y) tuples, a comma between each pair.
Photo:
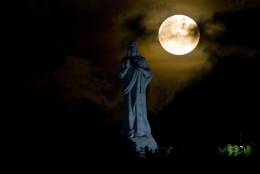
[(179, 34)]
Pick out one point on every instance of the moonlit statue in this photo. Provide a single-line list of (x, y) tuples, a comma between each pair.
[(135, 76)]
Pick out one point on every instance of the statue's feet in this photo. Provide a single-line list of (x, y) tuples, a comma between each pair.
[(144, 143)]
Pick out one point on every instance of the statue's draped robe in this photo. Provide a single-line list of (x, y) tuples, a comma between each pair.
[(135, 80)]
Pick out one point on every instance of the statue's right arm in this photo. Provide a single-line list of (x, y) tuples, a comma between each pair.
[(125, 65)]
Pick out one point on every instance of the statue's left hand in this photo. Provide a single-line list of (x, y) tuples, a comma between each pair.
[(128, 64)]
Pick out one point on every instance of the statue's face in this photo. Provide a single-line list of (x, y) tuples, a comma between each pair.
[(133, 49)]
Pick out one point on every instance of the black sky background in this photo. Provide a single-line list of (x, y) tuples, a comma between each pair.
[(210, 112)]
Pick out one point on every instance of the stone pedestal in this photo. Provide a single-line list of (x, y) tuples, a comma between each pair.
[(145, 142)]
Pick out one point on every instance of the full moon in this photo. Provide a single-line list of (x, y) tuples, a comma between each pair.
[(179, 34)]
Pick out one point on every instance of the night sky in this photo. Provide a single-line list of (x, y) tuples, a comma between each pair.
[(64, 74)]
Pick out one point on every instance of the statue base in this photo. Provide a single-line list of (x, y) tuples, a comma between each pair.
[(145, 144)]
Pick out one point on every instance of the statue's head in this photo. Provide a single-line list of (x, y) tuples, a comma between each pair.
[(132, 49)]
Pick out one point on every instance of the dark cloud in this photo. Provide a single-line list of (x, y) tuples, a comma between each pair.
[(193, 32), (142, 22), (232, 33), (242, 27), (135, 27), (78, 79)]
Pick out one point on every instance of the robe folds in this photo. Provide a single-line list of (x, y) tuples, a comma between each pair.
[(135, 78)]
